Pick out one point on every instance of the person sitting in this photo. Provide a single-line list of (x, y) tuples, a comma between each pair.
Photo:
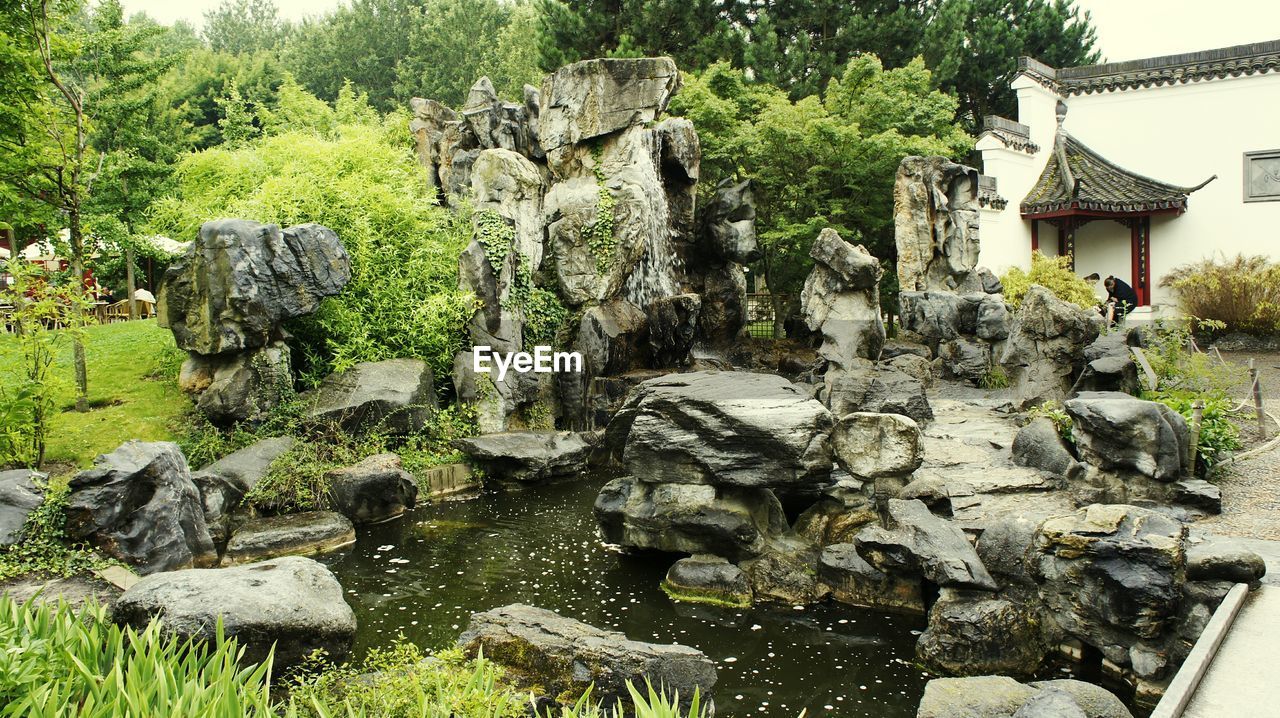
[(1121, 299)]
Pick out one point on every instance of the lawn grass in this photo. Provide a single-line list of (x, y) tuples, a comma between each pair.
[(133, 392)]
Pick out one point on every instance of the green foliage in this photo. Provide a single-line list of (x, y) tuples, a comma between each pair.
[(496, 235), (245, 26), (1179, 368), (1054, 411), (403, 298), (995, 378), (600, 235), (822, 161), (1242, 293), (60, 661), (1052, 273), (44, 318), (1219, 434), (44, 547)]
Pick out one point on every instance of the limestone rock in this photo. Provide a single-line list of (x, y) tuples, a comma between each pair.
[(1224, 559), (1118, 431), (565, 657), (723, 428), (395, 395), (841, 299), (1040, 446), (528, 457), (785, 572), (924, 544), (238, 387), (870, 446), (882, 390), (935, 223), (240, 280), (376, 489), (730, 222), (726, 521), (613, 338), (1045, 349), (1109, 364), (838, 515), (294, 603), (723, 315), (979, 635), (852, 580), (301, 534), (138, 504), (21, 491), (592, 98), (1003, 697), (704, 578), (965, 358), (224, 483), (673, 326)]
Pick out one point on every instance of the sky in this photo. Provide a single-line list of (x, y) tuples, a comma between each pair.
[(1127, 29)]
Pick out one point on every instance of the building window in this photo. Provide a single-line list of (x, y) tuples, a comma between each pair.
[(1262, 176)]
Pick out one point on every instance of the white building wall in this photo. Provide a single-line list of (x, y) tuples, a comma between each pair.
[(1180, 134)]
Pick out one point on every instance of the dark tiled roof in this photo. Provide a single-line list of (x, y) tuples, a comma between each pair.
[(1014, 135), (989, 193), (1258, 57), (1095, 184)]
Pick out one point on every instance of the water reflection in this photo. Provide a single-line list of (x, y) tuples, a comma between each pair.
[(425, 574)]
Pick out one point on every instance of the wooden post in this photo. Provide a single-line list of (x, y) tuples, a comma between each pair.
[(1257, 400), (1197, 418)]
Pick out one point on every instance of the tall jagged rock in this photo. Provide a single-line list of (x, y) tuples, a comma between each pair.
[(841, 299), (935, 204)]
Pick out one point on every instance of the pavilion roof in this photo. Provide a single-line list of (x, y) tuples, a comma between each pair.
[(1077, 178)]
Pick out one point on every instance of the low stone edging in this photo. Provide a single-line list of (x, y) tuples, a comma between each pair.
[(1183, 687)]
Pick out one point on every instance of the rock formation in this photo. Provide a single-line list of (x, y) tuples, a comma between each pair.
[(841, 301), (935, 205), (21, 491), (226, 299), (1045, 350), (586, 233)]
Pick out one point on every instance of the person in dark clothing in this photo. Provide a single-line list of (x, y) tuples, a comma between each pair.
[(1120, 297)]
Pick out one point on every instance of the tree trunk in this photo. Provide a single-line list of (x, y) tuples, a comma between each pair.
[(130, 285), (77, 269)]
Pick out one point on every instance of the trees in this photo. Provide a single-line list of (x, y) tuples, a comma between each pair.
[(825, 160), (363, 42), (245, 26)]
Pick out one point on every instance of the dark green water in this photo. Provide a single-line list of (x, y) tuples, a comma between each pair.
[(424, 575)]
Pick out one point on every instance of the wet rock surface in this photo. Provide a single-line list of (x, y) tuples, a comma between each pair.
[(301, 534), (564, 657), (374, 490), (704, 578)]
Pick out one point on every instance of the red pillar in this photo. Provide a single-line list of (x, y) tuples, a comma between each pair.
[(1035, 235)]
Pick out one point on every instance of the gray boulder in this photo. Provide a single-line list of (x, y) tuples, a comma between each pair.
[(939, 316), (240, 280), (704, 578), (730, 222), (138, 504), (673, 326), (528, 457), (565, 658), (922, 543), (980, 634), (724, 428), (1121, 432), (882, 391), (965, 358), (394, 396), (1045, 350), (870, 446), (224, 483), (994, 320), (935, 218), (1040, 446), (21, 492), (1003, 697), (786, 572), (1109, 364), (841, 299), (376, 489), (301, 534), (727, 521), (1224, 559), (245, 386), (613, 338), (292, 603), (592, 98)]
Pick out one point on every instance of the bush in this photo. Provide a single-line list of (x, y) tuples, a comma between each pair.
[(1243, 293), (1219, 435), (64, 662), (1052, 273), (362, 181), (45, 547), (1055, 412)]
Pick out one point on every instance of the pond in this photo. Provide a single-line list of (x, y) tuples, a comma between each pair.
[(424, 575)]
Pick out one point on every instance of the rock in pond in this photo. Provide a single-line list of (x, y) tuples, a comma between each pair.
[(138, 504), (564, 657), (374, 490), (850, 579), (704, 578), (923, 543), (726, 521), (293, 602), (517, 458), (396, 395), (977, 634), (21, 491), (1003, 697), (289, 535), (727, 428)]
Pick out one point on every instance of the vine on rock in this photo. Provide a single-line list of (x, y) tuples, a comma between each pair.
[(496, 236), (600, 238)]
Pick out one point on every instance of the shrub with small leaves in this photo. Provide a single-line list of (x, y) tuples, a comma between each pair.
[(1052, 273), (1055, 412), (496, 235), (600, 237), (1242, 294)]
